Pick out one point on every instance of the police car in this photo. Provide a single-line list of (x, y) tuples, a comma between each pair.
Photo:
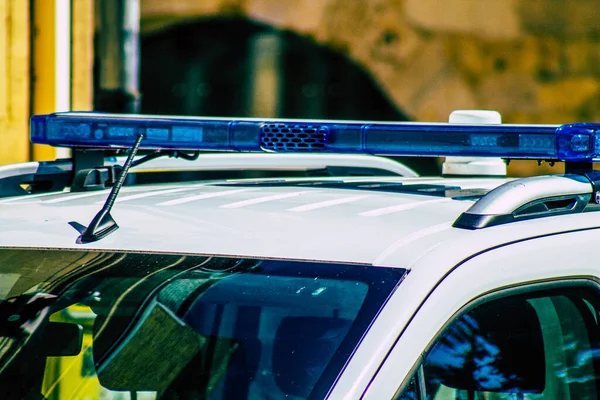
[(333, 287)]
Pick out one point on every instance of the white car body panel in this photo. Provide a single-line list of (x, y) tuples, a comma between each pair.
[(240, 218), (546, 259)]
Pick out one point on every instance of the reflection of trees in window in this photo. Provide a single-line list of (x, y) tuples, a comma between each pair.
[(517, 347), (483, 350)]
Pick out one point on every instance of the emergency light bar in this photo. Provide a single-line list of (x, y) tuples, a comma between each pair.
[(573, 142)]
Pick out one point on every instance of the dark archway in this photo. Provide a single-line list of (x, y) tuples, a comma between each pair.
[(209, 67)]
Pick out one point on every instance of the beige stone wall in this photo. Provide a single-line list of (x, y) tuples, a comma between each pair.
[(535, 61)]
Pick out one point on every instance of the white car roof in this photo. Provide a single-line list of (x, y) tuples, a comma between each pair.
[(383, 221), (350, 220)]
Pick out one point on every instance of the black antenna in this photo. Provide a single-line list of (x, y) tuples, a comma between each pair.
[(103, 223)]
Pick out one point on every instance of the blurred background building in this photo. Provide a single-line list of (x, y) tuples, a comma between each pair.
[(533, 61)]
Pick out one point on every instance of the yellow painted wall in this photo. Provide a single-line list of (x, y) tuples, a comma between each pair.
[(82, 55), (62, 60), (44, 67), (29, 67), (14, 80)]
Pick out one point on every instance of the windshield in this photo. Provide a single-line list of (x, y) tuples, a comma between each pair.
[(108, 325)]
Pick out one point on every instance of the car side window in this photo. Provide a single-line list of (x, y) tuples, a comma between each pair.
[(544, 345)]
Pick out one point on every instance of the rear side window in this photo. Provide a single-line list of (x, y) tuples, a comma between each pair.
[(535, 346)]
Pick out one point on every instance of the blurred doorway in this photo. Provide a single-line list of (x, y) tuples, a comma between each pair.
[(225, 67), (236, 67)]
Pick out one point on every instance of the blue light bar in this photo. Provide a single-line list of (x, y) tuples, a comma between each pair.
[(575, 142)]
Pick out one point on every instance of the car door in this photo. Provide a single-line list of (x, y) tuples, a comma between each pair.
[(516, 322)]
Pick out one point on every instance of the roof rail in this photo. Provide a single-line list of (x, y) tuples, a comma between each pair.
[(529, 198)]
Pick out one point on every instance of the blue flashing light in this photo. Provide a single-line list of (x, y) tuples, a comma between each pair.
[(578, 142), (574, 142)]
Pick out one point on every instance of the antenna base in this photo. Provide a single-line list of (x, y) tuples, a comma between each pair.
[(102, 225)]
